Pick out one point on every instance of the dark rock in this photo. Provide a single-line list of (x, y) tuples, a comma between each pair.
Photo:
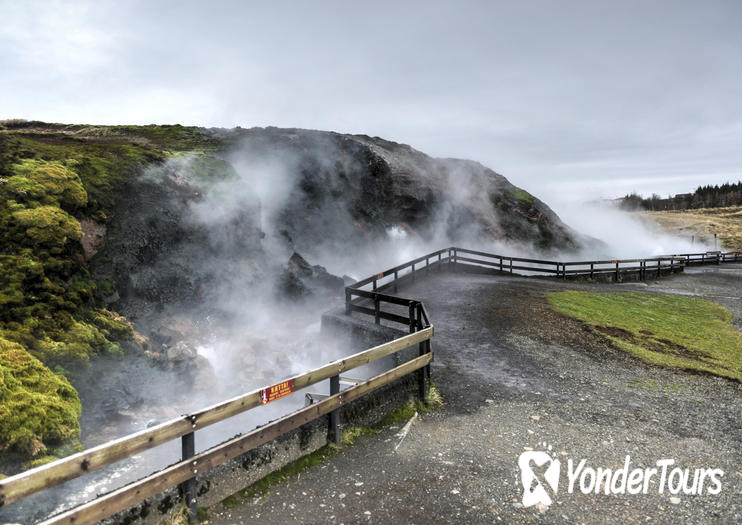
[(300, 279)]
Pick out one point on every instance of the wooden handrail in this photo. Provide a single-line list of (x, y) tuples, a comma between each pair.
[(31, 481), (125, 497), (505, 263)]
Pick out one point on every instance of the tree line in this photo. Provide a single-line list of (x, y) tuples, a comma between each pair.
[(716, 196)]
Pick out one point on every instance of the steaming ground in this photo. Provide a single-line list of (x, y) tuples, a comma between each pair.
[(200, 259), (515, 375)]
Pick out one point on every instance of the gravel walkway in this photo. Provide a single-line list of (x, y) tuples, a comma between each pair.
[(517, 376)]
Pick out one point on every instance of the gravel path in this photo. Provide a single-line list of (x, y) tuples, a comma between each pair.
[(517, 376)]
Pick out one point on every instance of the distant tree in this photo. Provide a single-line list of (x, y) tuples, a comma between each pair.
[(728, 194)]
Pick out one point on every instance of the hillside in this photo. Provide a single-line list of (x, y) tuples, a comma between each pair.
[(703, 223), (113, 235)]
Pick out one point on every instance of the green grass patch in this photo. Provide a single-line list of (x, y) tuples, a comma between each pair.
[(676, 331), (524, 197), (351, 434)]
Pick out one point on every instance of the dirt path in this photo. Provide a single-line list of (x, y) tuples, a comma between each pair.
[(516, 376)]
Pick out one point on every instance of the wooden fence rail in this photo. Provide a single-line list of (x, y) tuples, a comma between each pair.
[(358, 299), (409, 312), (35, 480), (130, 495)]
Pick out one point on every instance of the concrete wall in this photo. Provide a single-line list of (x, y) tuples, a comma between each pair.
[(241, 472)]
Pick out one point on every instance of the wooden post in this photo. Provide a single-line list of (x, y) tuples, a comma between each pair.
[(377, 309), (422, 347), (396, 276), (188, 487), (412, 317), (335, 414), (347, 301), (413, 272), (592, 268), (511, 265), (500, 262), (659, 269), (617, 273)]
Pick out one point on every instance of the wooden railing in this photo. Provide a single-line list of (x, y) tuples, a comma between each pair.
[(184, 472), (409, 312), (368, 296)]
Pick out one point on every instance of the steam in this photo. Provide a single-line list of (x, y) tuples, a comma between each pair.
[(626, 235), (280, 192)]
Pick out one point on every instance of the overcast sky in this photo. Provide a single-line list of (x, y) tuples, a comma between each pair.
[(563, 98)]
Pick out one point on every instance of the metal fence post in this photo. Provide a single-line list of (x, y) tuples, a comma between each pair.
[(335, 414), (188, 487)]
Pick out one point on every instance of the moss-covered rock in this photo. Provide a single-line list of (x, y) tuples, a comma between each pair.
[(47, 183), (48, 226), (37, 407)]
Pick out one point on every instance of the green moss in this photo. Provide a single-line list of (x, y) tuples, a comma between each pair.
[(230, 502), (524, 197), (399, 415), (47, 183), (292, 469), (350, 435), (668, 330), (52, 175), (202, 514), (37, 407), (48, 226)]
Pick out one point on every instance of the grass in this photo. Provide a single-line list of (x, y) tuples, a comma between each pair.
[(704, 223), (681, 332)]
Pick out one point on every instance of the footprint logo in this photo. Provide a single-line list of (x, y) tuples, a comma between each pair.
[(539, 473)]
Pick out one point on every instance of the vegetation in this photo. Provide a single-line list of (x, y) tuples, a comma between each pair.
[(703, 224), (704, 197), (524, 197), (348, 438), (668, 330), (51, 177), (37, 407)]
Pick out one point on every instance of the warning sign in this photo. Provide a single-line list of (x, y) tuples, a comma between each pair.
[(276, 391)]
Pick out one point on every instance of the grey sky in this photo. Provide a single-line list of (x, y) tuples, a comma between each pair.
[(563, 98)]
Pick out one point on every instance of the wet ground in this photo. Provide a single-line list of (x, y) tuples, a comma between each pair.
[(516, 376)]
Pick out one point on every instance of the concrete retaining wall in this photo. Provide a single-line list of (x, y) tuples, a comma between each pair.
[(241, 472)]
